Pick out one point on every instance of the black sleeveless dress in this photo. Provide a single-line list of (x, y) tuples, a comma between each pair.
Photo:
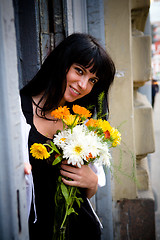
[(82, 226)]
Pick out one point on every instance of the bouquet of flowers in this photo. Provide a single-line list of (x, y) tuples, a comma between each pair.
[(83, 140)]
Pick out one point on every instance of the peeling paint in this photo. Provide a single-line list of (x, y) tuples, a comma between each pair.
[(120, 74)]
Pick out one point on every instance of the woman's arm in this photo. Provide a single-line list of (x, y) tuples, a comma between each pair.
[(83, 177)]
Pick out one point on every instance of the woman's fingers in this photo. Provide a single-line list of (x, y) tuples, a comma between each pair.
[(27, 168), (71, 183), (69, 168), (70, 175), (83, 177)]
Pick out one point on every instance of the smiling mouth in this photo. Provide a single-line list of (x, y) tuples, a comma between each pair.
[(75, 91)]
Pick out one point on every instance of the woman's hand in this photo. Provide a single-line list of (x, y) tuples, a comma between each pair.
[(27, 168), (82, 177)]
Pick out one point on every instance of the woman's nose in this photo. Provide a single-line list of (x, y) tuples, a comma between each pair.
[(83, 83)]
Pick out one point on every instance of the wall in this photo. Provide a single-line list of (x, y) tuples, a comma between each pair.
[(133, 203)]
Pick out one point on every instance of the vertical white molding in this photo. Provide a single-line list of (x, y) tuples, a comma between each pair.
[(69, 17), (77, 16), (80, 16)]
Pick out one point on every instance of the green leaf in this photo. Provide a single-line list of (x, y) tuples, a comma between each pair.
[(78, 202), (65, 192), (78, 191), (71, 210), (60, 179), (55, 148), (70, 200), (83, 119), (58, 131), (57, 160), (100, 104)]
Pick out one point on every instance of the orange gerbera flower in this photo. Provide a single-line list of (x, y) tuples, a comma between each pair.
[(61, 112), (82, 111), (89, 156), (91, 123)]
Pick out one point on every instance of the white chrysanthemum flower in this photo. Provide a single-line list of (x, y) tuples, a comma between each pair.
[(93, 143), (81, 143), (75, 151), (104, 156), (61, 138), (78, 132)]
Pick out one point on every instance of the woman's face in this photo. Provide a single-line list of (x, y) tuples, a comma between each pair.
[(80, 82)]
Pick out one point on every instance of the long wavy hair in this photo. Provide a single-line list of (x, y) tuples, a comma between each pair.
[(77, 48)]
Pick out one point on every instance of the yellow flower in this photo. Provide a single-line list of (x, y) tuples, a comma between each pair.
[(104, 125), (39, 151), (82, 111), (61, 112), (116, 137), (70, 119)]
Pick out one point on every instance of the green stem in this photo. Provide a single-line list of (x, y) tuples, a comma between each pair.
[(67, 207), (64, 218), (45, 144), (63, 124), (74, 120)]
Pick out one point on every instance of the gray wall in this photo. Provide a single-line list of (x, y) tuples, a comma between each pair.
[(13, 215)]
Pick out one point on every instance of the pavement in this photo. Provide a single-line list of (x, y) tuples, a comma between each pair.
[(155, 164)]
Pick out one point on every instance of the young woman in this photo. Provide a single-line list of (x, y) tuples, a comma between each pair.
[(76, 71)]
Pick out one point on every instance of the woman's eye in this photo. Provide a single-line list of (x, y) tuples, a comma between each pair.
[(92, 80), (79, 70)]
